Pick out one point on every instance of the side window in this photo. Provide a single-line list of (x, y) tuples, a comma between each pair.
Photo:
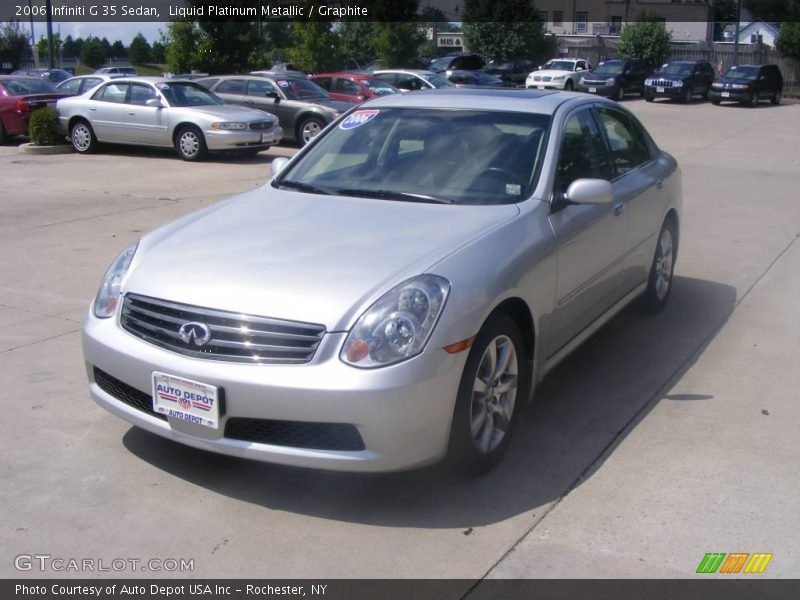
[(345, 86), (112, 92), (581, 65), (71, 87), (231, 86), (408, 82), (259, 87), (626, 141), (324, 82), (141, 93), (389, 78), (583, 152), (90, 82)]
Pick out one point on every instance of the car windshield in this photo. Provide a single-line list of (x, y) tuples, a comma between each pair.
[(440, 64), (425, 155), (676, 69), (378, 87), (438, 81), (17, 87), (559, 65), (184, 93), (609, 68), (742, 73), (486, 78), (300, 89)]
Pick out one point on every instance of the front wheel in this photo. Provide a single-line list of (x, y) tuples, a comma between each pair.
[(190, 144), (776, 99), (619, 93), (82, 137), (492, 388), (569, 85), (659, 282), (309, 129), (755, 98), (687, 95)]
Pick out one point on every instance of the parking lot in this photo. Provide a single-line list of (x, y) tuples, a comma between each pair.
[(662, 439)]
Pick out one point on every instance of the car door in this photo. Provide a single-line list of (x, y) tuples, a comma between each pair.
[(590, 238), (638, 185), (233, 91), (146, 124), (107, 112), (277, 103), (349, 91)]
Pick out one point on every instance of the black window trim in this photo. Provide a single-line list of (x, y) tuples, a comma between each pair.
[(646, 141)]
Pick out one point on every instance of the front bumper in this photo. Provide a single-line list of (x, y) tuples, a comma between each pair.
[(652, 91), (732, 95), (217, 139), (599, 89), (402, 412), (546, 85)]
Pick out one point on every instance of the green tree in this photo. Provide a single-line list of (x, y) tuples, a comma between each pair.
[(649, 40), (43, 48), (158, 53), (503, 30), (316, 47), (770, 10), (69, 47), (725, 13), (181, 41), (356, 40), (14, 46), (92, 53), (397, 44), (788, 42), (118, 50), (139, 50)]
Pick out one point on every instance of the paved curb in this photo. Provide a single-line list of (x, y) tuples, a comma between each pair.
[(31, 148)]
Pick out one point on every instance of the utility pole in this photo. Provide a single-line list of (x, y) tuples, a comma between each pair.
[(50, 59)]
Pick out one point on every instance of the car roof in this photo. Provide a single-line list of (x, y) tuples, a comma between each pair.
[(505, 99), (6, 77), (423, 72)]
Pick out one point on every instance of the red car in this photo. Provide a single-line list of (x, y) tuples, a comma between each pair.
[(353, 87), (19, 97)]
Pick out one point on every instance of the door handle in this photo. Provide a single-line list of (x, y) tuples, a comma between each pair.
[(132, 114), (93, 109), (249, 102), (659, 184), (618, 209)]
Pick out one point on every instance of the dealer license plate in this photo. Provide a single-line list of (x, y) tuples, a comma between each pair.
[(725, 94), (660, 90), (266, 137), (187, 400), (593, 90), (541, 87)]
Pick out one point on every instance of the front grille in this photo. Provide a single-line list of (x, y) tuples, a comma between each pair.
[(261, 125), (233, 336), (665, 83), (125, 393), (544, 78), (593, 82), (296, 434)]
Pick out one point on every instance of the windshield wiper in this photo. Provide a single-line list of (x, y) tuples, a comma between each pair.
[(390, 195), (302, 187)]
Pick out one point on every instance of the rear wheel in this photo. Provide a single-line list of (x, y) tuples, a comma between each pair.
[(659, 283), (190, 144), (492, 389), (82, 137), (308, 129), (776, 99)]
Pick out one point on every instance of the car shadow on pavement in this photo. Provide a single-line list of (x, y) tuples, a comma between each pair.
[(265, 156), (581, 412)]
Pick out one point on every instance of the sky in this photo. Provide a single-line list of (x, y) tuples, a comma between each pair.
[(124, 32)]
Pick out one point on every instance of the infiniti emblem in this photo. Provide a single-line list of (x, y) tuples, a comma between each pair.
[(195, 333)]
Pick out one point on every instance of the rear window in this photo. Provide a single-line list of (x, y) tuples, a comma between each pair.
[(18, 87)]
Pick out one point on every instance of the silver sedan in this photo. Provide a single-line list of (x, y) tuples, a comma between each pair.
[(396, 292), (153, 111)]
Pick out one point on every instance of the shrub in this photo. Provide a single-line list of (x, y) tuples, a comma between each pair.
[(43, 127), (646, 39)]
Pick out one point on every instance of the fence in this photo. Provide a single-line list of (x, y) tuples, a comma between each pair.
[(718, 54)]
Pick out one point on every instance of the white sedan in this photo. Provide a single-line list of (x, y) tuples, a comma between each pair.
[(558, 74)]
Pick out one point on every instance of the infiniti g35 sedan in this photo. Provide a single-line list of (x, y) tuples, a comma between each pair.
[(152, 111), (393, 295)]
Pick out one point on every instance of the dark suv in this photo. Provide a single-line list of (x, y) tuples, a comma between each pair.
[(749, 84), (459, 62), (680, 80), (511, 71), (616, 77)]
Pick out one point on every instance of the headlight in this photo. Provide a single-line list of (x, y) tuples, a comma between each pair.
[(107, 299), (740, 86), (398, 325), (648, 82), (716, 85), (559, 78), (228, 125), (611, 81), (678, 83)]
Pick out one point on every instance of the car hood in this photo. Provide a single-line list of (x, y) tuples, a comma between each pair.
[(226, 111), (669, 77), (553, 72), (729, 80), (303, 257)]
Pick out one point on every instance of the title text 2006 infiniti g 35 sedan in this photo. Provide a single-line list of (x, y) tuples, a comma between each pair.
[(393, 295)]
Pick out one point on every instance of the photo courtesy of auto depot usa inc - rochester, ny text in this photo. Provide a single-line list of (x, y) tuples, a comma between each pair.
[(166, 591)]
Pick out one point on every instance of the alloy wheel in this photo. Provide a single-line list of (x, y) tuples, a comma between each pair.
[(663, 267), (494, 394)]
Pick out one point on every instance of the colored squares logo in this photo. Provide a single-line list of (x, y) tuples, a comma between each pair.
[(735, 562)]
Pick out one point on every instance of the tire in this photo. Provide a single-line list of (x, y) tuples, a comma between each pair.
[(755, 98), (619, 93), (715, 102), (569, 85), (484, 420), (190, 144), (775, 100), (705, 93), (649, 98), (659, 281), (3, 136), (308, 129), (82, 138), (687, 95)]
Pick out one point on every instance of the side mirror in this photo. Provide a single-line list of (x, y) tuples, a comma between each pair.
[(361, 97), (273, 95), (154, 103), (278, 165), (579, 68), (588, 191)]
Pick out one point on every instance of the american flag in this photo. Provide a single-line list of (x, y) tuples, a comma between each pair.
[(719, 67)]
